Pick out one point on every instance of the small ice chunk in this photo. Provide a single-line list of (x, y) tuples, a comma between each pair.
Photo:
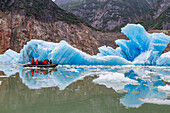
[(9, 56), (117, 81), (164, 88), (164, 59), (155, 101)]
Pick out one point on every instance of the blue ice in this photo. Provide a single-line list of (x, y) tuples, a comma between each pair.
[(142, 48), (63, 53)]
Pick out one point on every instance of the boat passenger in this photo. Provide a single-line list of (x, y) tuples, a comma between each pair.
[(32, 62), (45, 61), (41, 62), (37, 62), (50, 61)]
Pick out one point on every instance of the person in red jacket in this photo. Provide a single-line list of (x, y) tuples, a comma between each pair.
[(32, 62), (37, 62), (45, 61)]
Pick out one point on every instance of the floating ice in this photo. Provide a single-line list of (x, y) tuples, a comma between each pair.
[(9, 56), (141, 41), (131, 79), (164, 88), (142, 48), (164, 59), (117, 81), (63, 53), (147, 58), (155, 101), (9, 70)]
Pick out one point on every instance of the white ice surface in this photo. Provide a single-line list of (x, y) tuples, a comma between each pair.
[(9, 56), (164, 59), (164, 88), (117, 81), (155, 101)]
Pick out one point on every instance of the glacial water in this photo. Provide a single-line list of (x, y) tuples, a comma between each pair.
[(85, 89)]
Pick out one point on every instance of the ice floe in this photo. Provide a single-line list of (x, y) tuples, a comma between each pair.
[(142, 49)]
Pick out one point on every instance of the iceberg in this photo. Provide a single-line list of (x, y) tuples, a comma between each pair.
[(164, 59), (63, 53), (142, 49), (146, 58), (9, 56), (140, 42), (9, 69)]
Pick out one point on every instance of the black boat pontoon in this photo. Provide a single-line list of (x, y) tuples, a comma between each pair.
[(44, 65)]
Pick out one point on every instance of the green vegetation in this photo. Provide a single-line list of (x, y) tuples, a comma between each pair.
[(42, 10), (158, 22), (126, 11)]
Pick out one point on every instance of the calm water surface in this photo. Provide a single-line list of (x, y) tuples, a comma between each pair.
[(85, 89)]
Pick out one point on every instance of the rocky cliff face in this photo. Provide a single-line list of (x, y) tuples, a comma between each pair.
[(113, 14), (22, 21), (17, 32), (158, 16), (17, 28)]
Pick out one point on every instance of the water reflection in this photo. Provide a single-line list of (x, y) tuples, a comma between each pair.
[(79, 97), (40, 78), (65, 80), (145, 89)]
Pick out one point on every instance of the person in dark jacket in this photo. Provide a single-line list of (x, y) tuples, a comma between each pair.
[(50, 61)]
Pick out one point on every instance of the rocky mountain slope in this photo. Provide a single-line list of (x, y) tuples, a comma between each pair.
[(113, 14), (23, 20), (158, 17), (60, 2)]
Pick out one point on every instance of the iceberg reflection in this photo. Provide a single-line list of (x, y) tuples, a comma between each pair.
[(136, 84), (145, 89)]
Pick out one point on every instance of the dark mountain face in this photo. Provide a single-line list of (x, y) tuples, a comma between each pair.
[(41, 10), (113, 14), (60, 2), (158, 16), (23, 20)]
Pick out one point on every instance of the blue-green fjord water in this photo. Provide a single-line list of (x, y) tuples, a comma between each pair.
[(85, 89)]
